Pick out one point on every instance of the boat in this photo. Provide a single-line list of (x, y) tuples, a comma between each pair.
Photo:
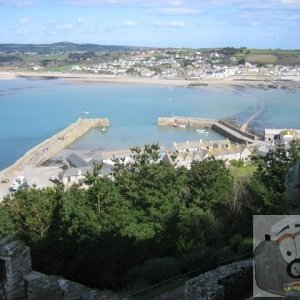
[(182, 126), (103, 129), (85, 112), (201, 130)]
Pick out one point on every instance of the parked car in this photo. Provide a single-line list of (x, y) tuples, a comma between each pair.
[(53, 178), (19, 183)]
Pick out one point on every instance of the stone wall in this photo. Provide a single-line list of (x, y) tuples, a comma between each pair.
[(187, 121), (48, 148), (15, 262), (18, 281), (227, 282), (246, 134)]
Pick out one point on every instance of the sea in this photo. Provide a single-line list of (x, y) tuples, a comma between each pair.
[(35, 109)]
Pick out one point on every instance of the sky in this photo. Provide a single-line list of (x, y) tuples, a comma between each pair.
[(163, 23)]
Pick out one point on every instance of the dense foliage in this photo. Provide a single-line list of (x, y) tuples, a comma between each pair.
[(151, 222)]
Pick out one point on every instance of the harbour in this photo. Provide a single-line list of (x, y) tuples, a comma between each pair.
[(34, 110), (224, 128), (35, 157)]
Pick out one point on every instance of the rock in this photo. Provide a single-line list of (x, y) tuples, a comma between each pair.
[(228, 281)]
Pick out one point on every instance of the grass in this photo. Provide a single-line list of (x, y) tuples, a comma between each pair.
[(39, 58), (245, 171), (262, 58)]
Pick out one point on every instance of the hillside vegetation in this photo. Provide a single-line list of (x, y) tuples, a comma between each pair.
[(150, 223)]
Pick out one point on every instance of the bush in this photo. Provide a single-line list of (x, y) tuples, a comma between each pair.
[(235, 242), (197, 260), (237, 163), (246, 246), (153, 271)]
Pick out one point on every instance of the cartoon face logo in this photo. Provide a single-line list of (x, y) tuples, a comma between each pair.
[(277, 259)]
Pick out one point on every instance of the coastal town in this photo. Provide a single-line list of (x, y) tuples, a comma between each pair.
[(149, 149), (157, 63), (49, 162)]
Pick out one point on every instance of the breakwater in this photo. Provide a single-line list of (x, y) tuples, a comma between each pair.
[(227, 130), (48, 148), (186, 121)]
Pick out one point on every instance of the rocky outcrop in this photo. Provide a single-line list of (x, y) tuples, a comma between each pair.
[(15, 262), (226, 282), (18, 281), (41, 286)]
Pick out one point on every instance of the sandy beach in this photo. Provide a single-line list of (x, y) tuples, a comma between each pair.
[(229, 82)]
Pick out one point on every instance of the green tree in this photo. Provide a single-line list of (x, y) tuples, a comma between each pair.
[(269, 183), (211, 185)]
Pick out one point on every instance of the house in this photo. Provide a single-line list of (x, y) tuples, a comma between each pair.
[(78, 169), (200, 144), (199, 150), (281, 136), (75, 161), (185, 158), (74, 175), (230, 152)]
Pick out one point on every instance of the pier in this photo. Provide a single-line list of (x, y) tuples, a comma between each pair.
[(227, 130), (48, 148), (252, 117), (186, 121)]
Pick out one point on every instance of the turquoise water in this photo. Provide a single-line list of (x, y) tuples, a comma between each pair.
[(33, 110)]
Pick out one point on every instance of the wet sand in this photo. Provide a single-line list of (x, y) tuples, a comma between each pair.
[(229, 82)]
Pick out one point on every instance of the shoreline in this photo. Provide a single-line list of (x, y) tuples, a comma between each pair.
[(232, 82)]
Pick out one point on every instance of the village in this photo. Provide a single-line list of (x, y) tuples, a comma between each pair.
[(169, 64), (159, 64)]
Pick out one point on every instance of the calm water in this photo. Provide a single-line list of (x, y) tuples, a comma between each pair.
[(32, 110)]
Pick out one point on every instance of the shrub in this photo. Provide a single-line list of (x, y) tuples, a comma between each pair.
[(246, 246), (237, 163), (197, 260), (235, 242), (153, 271)]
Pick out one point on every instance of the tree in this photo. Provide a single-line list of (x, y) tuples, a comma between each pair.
[(211, 184), (269, 183)]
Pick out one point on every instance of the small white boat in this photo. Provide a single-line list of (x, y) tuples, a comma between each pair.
[(103, 129), (182, 126), (85, 112), (200, 130)]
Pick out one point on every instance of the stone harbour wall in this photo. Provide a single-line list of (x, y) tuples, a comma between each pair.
[(226, 282)]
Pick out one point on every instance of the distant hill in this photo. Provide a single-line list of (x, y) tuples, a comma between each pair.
[(62, 46)]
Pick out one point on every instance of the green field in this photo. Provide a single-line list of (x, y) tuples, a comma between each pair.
[(262, 58), (265, 56)]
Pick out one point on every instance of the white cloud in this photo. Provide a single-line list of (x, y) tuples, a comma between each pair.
[(19, 31), (175, 2), (178, 11), (130, 23), (89, 31), (79, 20), (18, 3), (170, 24), (67, 26), (25, 20), (50, 23), (290, 1)]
